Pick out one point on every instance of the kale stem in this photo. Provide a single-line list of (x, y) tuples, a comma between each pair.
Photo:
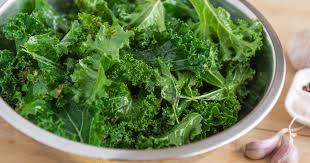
[(41, 59), (186, 97), (75, 128), (175, 111), (207, 96)]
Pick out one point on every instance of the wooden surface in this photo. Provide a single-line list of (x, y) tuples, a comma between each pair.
[(286, 16)]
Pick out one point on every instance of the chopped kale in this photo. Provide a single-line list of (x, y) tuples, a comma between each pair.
[(129, 73)]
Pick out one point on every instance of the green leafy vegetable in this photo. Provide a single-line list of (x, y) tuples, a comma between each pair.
[(238, 41), (47, 14), (129, 73), (96, 7), (180, 9), (90, 23), (72, 38), (217, 115), (77, 122), (183, 133), (149, 13), (171, 87), (45, 50), (134, 72), (90, 80), (8, 82), (21, 27), (109, 40)]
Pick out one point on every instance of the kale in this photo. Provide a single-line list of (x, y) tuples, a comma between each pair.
[(183, 133), (134, 72), (218, 115), (96, 7), (129, 73), (8, 82), (21, 27), (148, 13), (49, 16), (239, 41)]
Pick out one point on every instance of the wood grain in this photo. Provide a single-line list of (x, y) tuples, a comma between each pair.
[(18, 148), (286, 16)]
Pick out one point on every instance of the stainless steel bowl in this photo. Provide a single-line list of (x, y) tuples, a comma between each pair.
[(265, 90)]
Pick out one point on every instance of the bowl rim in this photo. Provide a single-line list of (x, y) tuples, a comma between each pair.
[(242, 127)]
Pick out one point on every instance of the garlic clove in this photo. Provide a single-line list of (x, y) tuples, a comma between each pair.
[(286, 153), (299, 50), (261, 148)]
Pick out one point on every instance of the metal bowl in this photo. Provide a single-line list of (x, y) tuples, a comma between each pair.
[(265, 90)]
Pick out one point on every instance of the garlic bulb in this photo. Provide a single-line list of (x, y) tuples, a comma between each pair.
[(286, 153), (297, 101), (261, 148), (299, 50)]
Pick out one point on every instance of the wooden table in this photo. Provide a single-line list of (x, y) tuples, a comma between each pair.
[(286, 16)]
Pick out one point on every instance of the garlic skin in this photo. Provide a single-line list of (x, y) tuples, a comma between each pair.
[(261, 148), (299, 50), (286, 153)]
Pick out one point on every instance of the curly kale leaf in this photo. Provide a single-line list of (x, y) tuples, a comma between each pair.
[(238, 77), (123, 106), (119, 104), (38, 66), (198, 56), (234, 84), (148, 13), (124, 122), (90, 79), (8, 82), (187, 130), (77, 121), (20, 27), (98, 129), (171, 88), (96, 7), (172, 114), (90, 74), (71, 40), (48, 54), (35, 102), (90, 23), (181, 9), (218, 115), (238, 41), (7, 59), (179, 45), (121, 9), (40, 113), (86, 25), (134, 72), (147, 117), (45, 50), (30, 105), (48, 15), (109, 40)]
